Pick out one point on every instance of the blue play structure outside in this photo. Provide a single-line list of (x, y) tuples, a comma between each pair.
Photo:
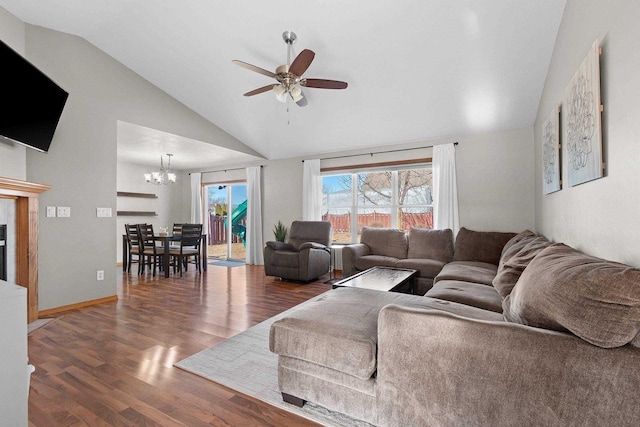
[(238, 215)]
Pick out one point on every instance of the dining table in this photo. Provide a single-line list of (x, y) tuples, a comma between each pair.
[(165, 240)]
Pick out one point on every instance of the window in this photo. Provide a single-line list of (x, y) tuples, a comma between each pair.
[(399, 198)]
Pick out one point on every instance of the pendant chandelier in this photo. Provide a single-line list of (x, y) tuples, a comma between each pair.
[(162, 177)]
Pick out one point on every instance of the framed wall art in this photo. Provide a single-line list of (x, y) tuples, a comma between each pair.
[(551, 167), (582, 127)]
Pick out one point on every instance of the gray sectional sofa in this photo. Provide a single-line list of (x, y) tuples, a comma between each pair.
[(526, 332), (426, 251)]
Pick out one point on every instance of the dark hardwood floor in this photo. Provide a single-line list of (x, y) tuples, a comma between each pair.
[(112, 364)]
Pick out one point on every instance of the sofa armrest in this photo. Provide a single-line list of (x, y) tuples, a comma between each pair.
[(438, 368), (280, 246), (350, 253), (313, 245)]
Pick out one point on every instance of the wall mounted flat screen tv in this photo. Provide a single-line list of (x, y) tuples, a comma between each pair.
[(31, 102)]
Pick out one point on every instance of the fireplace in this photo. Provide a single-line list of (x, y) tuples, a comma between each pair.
[(3, 251), (25, 195)]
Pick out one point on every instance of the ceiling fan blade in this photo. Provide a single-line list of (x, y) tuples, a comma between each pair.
[(302, 62), (323, 84), (254, 68), (259, 90)]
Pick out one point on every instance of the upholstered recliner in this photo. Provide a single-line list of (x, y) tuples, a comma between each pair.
[(306, 254)]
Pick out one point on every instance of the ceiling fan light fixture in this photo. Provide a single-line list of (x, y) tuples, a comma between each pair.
[(280, 92)]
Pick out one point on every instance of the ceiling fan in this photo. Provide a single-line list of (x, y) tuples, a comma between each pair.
[(289, 76)]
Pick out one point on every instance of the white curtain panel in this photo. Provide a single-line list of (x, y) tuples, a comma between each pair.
[(311, 191), (196, 198), (445, 188), (254, 217)]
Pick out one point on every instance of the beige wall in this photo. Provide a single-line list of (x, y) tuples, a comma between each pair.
[(494, 172), (81, 164), (598, 217), (167, 205), (13, 158)]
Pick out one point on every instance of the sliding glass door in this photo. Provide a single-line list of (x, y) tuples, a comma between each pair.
[(227, 207)]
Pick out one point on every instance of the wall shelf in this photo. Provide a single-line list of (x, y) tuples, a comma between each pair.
[(136, 213), (142, 195)]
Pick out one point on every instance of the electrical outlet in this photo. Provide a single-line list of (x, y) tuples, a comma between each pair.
[(100, 275)]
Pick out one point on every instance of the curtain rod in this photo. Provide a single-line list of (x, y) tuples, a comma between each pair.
[(224, 170), (379, 152)]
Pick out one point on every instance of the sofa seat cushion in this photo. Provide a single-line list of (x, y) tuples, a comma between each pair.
[(565, 290), (473, 294), (285, 259), (339, 330), (368, 261), (468, 271), (426, 267)]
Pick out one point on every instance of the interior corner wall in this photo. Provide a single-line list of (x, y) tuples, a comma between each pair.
[(81, 165), (168, 205), (13, 157), (494, 174), (597, 217)]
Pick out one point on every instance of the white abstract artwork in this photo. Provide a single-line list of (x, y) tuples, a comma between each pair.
[(551, 152), (582, 131)]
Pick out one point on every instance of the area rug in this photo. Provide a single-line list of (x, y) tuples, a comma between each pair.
[(245, 364), (225, 263)]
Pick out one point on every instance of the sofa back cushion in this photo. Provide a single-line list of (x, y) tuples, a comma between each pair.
[(481, 246), (385, 241), (430, 244), (565, 290), (515, 260), (516, 243), (309, 231)]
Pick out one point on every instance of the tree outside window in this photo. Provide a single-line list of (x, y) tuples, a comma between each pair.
[(390, 199)]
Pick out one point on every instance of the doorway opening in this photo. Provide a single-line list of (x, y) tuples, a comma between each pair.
[(227, 212)]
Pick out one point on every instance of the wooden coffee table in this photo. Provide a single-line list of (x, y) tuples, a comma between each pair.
[(380, 279)]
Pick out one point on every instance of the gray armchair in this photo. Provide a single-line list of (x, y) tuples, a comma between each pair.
[(306, 254)]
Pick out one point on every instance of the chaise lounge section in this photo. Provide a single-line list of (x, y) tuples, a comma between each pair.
[(561, 350)]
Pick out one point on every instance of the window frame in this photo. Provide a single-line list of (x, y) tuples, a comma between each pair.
[(394, 206)]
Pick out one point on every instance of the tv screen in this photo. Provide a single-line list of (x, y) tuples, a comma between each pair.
[(31, 102)]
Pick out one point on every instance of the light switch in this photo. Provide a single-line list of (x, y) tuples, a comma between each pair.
[(51, 211), (64, 212), (104, 212)]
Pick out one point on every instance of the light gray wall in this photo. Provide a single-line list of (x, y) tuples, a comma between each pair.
[(168, 204), (494, 173), (81, 164), (598, 217), (13, 157)]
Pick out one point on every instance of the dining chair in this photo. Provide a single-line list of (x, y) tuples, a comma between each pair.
[(133, 245), (176, 231), (190, 237), (150, 252)]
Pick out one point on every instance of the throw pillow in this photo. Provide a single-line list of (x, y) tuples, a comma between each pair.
[(565, 290), (425, 243), (480, 246), (515, 260), (516, 243)]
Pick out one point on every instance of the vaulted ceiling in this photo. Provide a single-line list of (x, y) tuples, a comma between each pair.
[(417, 69)]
